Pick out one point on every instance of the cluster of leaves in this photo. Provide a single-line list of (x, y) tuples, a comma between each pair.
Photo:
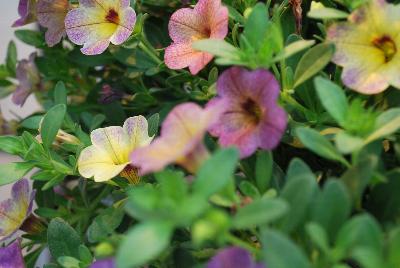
[(337, 207)]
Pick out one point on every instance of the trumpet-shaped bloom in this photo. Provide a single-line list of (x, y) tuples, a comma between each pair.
[(11, 256), (233, 257), (26, 11), (181, 140), (367, 47), (51, 15), (251, 117), (28, 77), (108, 155), (14, 211), (208, 19), (96, 23)]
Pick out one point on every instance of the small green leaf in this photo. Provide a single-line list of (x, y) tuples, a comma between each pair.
[(317, 143), (143, 243), (327, 13), (332, 98), (11, 60), (52, 122), (154, 123), (33, 38), (386, 124), (216, 172), (68, 262), (11, 144), (313, 61), (62, 239), (259, 212), (32, 122), (318, 236), (347, 143), (263, 170), (104, 224), (11, 172), (60, 93), (219, 48), (293, 48)]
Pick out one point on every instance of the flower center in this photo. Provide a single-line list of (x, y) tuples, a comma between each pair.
[(253, 110), (131, 174), (112, 16), (386, 45)]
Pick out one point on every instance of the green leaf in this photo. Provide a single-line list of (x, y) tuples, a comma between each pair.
[(52, 122), (347, 143), (104, 224), (386, 124), (143, 243), (259, 212), (256, 26), (62, 239), (11, 144), (219, 48), (68, 262), (327, 13), (154, 123), (332, 98), (60, 93), (280, 252), (248, 189), (317, 143), (299, 193), (394, 248), (33, 38), (318, 236), (293, 48), (216, 172), (263, 170), (11, 60), (11, 172), (313, 61), (97, 120), (32, 122), (297, 168), (332, 207), (85, 255)]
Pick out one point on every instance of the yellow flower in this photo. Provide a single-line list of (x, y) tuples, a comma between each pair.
[(109, 153), (367, 47)]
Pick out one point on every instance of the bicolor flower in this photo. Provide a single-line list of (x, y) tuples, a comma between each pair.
[(108, 155), (233, 257), (367, 47), (14, 211), (252, 118), (96, 23), (26, 11), (28, 77), (181, 140), (208, 19), (11, 256), (51, 15)]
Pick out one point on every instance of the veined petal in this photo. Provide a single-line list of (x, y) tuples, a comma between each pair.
[(114, 141), (11, 256), (185, 25), (95, 162), (125, 28), (137, 129)]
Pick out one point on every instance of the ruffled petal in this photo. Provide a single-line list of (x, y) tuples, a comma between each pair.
[(137, 129), (125, 28), (185, 25), (11, 256)]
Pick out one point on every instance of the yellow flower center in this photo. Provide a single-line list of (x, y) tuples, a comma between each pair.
[(253, 110), (131, 174), (112, 16), (386, 45)]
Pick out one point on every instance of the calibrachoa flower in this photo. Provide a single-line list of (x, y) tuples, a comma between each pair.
[(181, 140), (96, 23), (28, 77), (251, 117), (11, 256), (208, 19), (233, 257), (51, 15), (109, 154), (26, 11), (105, 263), (14, 211), (367, 47)]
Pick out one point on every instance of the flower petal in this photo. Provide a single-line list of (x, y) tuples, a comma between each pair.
[(273, 127), (215, 16), (185, 25), (125, 28), (233, 257), (137, 129), (11, 256), (114, 141), (94, 162)]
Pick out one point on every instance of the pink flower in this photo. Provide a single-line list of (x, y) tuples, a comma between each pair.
[(96, 23), (251, 117), (51, 15), (26, 11), (181, 140), (208, 19)]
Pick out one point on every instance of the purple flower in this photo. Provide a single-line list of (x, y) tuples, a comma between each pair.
[(252, 118), (108, 94), (233, 257), (26, 11), (11, 256), (16, 209), (51, 15), (96, 23), (105, 263), (28, 77)]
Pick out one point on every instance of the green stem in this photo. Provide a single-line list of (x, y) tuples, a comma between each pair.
[(150, 52), (238, 242)]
